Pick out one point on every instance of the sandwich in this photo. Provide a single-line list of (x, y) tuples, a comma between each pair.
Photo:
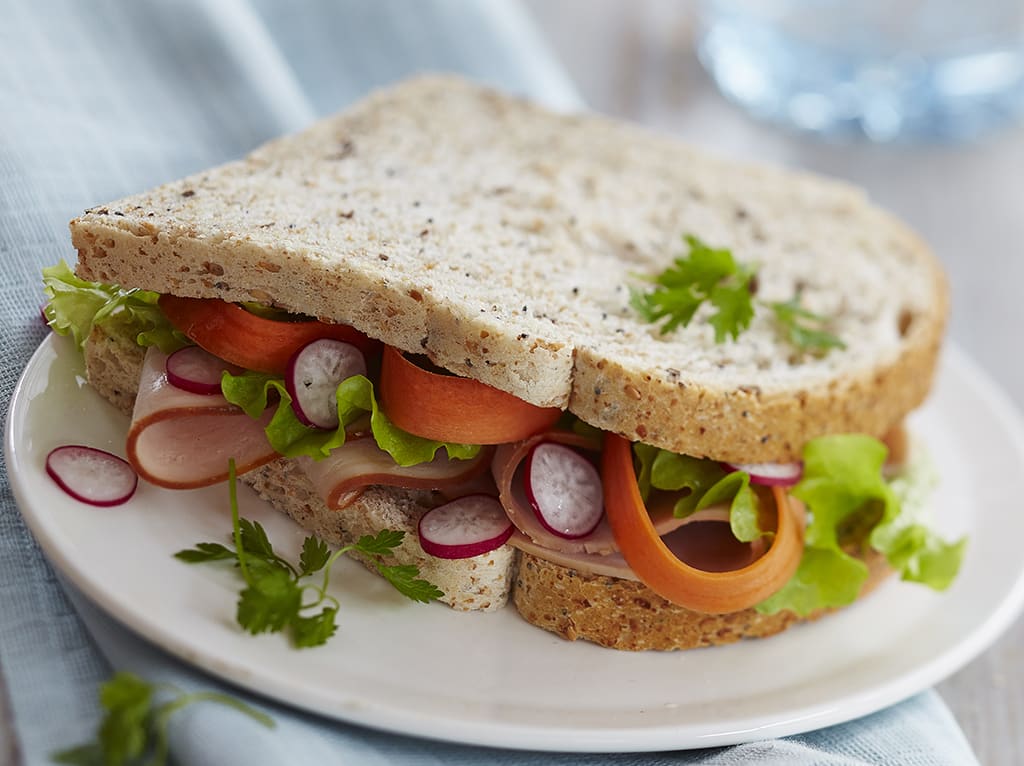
[(681, 380)]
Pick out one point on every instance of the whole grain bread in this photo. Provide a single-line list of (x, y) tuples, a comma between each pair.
[(501, 239), (113, 365), (626, 614)]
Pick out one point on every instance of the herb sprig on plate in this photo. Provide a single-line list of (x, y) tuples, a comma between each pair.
[(134, 725), (281, 597)]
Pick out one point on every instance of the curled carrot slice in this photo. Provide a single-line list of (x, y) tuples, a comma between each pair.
[(453, 409), (238, 336), (659, 569)]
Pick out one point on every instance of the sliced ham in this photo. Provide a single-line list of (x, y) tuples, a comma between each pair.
[(703, 540), (508, 475), (181, 440), (341, 477)]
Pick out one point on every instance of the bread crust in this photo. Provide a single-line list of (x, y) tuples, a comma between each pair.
[(626, 614), (500, 239)]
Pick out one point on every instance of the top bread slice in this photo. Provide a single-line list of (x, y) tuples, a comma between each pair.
[(500, 239)]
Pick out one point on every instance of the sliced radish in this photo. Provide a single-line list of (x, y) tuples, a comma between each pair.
[(466, 527), (313, 375), (92, 475), (564, 489), (770, 474), (197, 371)]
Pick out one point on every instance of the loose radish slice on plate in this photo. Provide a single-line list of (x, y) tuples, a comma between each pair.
[(466, 527), (197, 371), (771, 474), (313, 375), (564, 489), (92, 475)]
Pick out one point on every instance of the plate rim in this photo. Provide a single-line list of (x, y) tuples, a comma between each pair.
[(561, 738)]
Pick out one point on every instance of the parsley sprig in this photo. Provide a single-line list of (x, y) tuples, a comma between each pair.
[(803, 328), (135, 724), (713, 276), (280, 597), (706, 274)]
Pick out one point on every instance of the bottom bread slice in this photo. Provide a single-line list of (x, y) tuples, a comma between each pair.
[(626, 614)]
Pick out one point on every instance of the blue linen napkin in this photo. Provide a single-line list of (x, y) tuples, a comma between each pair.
[(98, 100)]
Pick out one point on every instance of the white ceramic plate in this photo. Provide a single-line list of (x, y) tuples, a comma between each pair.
[(491, 678)]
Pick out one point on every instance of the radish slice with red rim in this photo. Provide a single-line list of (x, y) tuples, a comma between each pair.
[(564, 489), (314, 373), (197, 371), (469, 526), (770, 474), (92, 475)]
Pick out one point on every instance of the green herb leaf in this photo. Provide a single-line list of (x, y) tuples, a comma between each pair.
[(135, 727), (735, 309), (316, 630), (255, 540), (406, 580), (705, 274), (315, 554), (127, 700), (803, 328), (204, 552), (677, 304), (83, 755), (712, 275), (380, 544), (272, 599), (271, 602)]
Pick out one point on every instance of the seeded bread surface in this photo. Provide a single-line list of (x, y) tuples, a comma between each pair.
[(501, 239)]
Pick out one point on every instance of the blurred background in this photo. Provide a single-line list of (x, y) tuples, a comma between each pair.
[(934, 134)]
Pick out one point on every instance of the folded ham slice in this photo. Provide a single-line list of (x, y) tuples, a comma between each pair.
[(341, 477), (702, 539), (181, 440)]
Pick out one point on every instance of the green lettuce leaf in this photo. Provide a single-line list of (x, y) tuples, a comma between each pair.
[(287, 435), (734, 488), (843, 487), (703, 483), (75, 306)]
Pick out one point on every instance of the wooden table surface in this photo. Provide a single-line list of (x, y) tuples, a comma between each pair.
[(636, 60)]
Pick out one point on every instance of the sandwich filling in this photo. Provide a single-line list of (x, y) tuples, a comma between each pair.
[(708, 536)]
